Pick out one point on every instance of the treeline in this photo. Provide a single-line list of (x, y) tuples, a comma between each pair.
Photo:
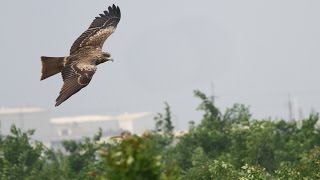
[(230, 145)]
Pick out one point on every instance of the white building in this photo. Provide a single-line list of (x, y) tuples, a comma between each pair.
[(136, 123), (27, 118), (51, 131), (76, 127)]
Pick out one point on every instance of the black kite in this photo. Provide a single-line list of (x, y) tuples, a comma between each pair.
[(86, 53)]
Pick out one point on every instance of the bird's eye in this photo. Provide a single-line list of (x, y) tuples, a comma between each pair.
[(106, 54)]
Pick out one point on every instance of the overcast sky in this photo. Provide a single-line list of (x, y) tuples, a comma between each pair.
[(255, 52)]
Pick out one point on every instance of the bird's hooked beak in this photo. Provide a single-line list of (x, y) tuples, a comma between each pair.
[(110, 59)]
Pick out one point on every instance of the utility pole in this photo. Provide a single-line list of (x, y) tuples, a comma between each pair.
[(300, 113), (290, 108), (21, 119), (212, 97)]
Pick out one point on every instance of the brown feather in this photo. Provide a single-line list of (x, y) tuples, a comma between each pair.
[(74, 80), (99, 30), (51, 66)]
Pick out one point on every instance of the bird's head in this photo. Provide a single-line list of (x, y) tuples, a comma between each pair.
[(104, 57), (107, 56)]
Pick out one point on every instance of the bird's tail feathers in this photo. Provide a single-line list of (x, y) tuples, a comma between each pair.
[(51, 66)]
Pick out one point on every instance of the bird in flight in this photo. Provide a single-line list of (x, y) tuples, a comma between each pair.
[(86, 53)]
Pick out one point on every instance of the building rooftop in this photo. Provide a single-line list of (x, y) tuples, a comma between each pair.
[(95, 118), (17, 110)]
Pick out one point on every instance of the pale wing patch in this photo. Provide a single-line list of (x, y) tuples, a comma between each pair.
[(100, 29), (99, 37), (75, 77), (86, 67), (83, 74)]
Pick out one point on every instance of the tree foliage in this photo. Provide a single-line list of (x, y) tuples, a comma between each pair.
[(20, 158), (224, 145)]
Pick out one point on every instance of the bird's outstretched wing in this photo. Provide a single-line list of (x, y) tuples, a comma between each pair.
[(75, 76), (100, 29)]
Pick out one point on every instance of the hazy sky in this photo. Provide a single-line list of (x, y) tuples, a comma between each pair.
[(255, 52)]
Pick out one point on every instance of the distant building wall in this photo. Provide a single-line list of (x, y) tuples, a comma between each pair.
[(77, 127), (138, 126), (52, 131), (25, 119)]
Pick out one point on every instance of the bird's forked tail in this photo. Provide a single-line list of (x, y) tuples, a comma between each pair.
[(51, 66)]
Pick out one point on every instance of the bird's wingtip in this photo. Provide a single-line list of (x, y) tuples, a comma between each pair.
[(57, 104)]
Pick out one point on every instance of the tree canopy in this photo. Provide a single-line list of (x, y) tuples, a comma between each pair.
[(224, 145)]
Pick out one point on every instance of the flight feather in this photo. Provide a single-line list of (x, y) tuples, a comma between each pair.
[(99, 30)]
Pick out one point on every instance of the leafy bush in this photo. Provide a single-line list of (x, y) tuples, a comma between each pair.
[(229, 145)]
